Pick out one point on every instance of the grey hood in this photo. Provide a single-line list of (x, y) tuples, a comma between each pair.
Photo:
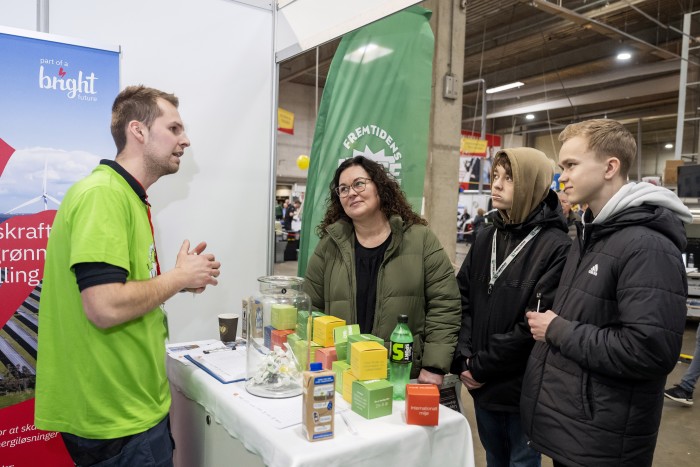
[(638, 193)]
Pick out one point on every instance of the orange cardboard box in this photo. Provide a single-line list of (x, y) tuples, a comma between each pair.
[(326, 355), (422, 404), (278, 337)]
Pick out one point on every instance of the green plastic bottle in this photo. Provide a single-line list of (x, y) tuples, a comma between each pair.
[(400, 357)]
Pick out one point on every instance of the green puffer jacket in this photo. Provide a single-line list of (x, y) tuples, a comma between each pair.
[(416, 278)]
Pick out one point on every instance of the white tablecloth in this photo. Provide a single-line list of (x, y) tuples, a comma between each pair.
[(386, 441)]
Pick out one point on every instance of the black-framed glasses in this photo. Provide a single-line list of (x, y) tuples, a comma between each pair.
[(359, 185)]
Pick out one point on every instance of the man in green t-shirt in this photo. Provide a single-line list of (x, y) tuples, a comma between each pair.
[(101, 378)]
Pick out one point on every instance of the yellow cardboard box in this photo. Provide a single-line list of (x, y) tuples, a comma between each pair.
[(323, 330), (369, 360)]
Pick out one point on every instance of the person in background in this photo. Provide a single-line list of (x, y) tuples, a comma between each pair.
[(279, 213), (570, 215), (377, 260), (101, 378), (514, 265), (478, 222), (683, 392), (290, 213), (593, 389)]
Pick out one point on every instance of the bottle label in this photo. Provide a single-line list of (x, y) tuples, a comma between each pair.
[(401, 353)]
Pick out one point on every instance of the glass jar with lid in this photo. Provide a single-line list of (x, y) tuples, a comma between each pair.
[(271, 368)]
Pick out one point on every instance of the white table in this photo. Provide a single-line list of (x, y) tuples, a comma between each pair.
[(213, 426)]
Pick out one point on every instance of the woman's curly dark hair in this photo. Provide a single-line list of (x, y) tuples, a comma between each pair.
[(392, 200)]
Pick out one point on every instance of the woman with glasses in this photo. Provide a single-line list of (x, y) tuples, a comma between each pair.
[(377, 260)]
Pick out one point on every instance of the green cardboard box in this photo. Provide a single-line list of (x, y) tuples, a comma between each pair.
[(292, 339), (303, 322), (283, 316), (339, 366), (373, 398), (299, 350), (352, 338), (340, 338)]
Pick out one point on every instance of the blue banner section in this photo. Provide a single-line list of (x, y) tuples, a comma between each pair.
[(56, 104)]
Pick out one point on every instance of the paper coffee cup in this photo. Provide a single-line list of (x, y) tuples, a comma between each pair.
[(228, 326)]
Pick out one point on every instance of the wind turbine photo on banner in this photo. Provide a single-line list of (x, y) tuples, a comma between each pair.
[(45, 196)]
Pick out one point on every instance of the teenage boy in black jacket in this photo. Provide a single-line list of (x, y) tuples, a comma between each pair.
[(593, 390), (513, 266)]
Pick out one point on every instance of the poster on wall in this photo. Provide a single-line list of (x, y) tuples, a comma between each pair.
[(56, 96), (475, 157)]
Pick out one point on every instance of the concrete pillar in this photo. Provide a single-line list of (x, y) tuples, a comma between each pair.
[(442, 171)]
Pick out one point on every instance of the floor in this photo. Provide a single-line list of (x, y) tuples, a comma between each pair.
[(677, 445)]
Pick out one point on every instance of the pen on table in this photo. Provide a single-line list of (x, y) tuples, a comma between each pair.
[(348, 424), (219, 350), (539, 297)]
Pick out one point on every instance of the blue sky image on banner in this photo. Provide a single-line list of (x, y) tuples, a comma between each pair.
[(56, 104)]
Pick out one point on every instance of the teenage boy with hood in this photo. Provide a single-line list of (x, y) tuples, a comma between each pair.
[(593, 389), (513, 266)]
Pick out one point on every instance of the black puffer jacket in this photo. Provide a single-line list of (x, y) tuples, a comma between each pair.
[(494, 333), (593, 394)]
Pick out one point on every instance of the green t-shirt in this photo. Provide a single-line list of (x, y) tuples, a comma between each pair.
[(92, 382)]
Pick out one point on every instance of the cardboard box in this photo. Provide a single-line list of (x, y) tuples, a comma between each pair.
[(339, 367), (279, 337), (348, 379), (244, 319), (292, 339), (283, 316), (267, 337), (303, 322), (422, 404), (318, 401), (255, 314), (352, 338), (326, 356), (671, 171), (372, 399), (323, 329), (340, 339), (300, 352), (369, 360)]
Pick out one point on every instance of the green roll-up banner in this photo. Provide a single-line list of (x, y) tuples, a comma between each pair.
[(376, 103)]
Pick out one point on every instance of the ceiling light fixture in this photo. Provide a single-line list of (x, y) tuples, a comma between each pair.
[(505, 87), (669, 146), (530, 116), (624, 56)]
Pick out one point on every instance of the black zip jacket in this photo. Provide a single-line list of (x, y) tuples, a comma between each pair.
[(593, 393), (494, 335)]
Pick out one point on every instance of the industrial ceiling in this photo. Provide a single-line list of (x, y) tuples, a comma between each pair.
[(565, 54)]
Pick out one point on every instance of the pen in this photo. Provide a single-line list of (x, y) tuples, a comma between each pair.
[(219, 350), (539, 297), (348, 424)]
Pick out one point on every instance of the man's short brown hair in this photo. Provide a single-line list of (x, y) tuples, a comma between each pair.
[(138, 103), (607, 138)]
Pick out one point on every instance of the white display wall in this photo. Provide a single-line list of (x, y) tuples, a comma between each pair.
[(217, 57)]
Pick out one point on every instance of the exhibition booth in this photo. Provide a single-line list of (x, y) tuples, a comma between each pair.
[(223, 195)]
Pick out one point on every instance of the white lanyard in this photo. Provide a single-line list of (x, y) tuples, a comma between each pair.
[(495, 273)]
